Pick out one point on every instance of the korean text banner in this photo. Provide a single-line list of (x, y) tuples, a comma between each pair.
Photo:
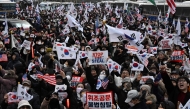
[(102, 100), (97, 57)]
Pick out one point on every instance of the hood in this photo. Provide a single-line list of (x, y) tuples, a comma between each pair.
[(10, 74), (17, 56), (147, 87)]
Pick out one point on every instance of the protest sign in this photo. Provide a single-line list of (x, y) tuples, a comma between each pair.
[(131, 48), (101, 100), (144, 78), (26, 44), (60, 88), (62, 95), (177, 56), (166, 43), (97, 57), (75, 80)]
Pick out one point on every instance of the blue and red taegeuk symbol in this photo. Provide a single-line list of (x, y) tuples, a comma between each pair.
[(135, 64), (109, 66), (66, 52), (116, 67), (154, 49), (143, 55), (83, 55)]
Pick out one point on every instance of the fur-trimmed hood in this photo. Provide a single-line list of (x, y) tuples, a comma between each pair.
[(10, 74)]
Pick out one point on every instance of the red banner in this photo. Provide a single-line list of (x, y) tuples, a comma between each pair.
[(75, 80), (177, 56)]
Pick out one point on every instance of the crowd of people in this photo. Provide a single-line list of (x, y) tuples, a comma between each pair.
[(168, 89)]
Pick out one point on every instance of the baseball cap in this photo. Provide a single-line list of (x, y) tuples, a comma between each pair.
[(26, 82), (131, 94)]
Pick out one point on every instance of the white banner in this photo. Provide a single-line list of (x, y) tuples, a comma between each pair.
[(26, 44), (97, 57)]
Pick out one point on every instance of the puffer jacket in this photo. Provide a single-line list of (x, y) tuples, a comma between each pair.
[(12, 62), (150, 97), (7, 82), (45, 105)]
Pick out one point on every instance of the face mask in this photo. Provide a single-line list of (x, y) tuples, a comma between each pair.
[(102, 77), (39, 43), (78, 90), (83, 99), (131, 104), (27, 88), (165, 99), (42, 50), (65, 65)]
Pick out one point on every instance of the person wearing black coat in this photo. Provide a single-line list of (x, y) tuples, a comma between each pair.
[(176, 93), (14, 60), (122, 92), (119, 55), (135, 100)]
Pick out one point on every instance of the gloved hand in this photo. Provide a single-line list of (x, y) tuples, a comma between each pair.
[(158, 78), (48, 96), (110, 78)]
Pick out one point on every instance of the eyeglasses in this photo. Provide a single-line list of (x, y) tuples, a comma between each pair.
[(181, 80), (25, 107)]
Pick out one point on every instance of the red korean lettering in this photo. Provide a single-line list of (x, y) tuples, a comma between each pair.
[(102, 98), (96, 98), (108, 97), (90, 97)]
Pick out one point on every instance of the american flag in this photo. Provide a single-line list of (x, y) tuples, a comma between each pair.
[(144, 58), (105, 83), (3, 58), (6, 41), (186, 29), (24, 77), (48, 78), (172, 6)]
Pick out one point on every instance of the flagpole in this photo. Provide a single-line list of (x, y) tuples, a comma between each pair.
[(164, 6)]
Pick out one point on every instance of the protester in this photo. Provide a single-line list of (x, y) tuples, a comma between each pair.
[(23, 104), (93, 56)]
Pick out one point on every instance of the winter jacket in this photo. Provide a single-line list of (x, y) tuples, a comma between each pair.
[(11, 63), (35, 101), (7, 83), (45, 105), (173, 91)]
